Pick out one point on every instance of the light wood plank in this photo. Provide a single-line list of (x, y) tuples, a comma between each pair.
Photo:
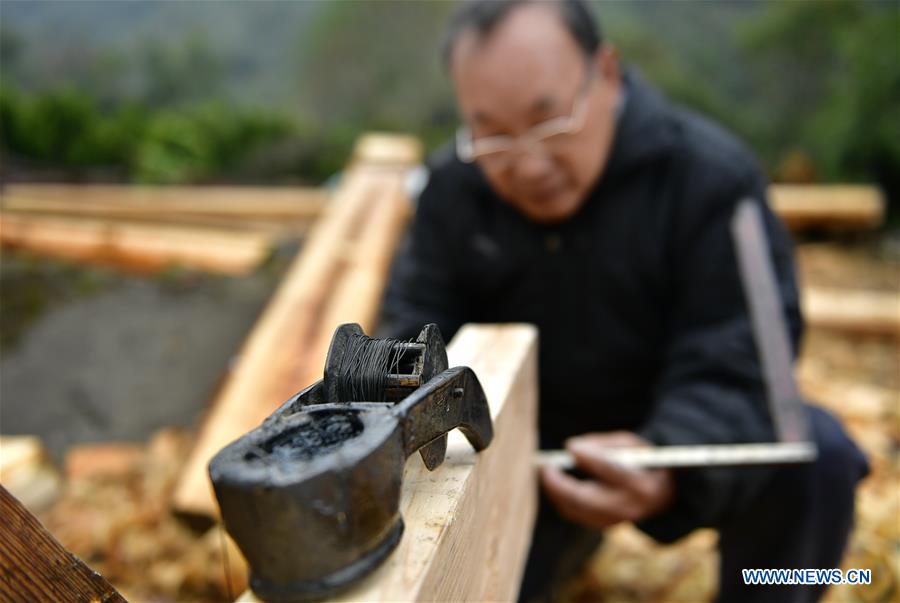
[(832, 206), (303, 203), (280, 229), (387, 149), (137, 247), (853, 311)]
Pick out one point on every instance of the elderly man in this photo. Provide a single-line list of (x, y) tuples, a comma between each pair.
[(578, 199)]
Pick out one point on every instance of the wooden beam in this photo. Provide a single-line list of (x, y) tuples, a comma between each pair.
[(35, 567), (469, 522), (128, 201), (284, 212), (832, 206), (337, 277), (273, 228), (861, 312), (137, 247)]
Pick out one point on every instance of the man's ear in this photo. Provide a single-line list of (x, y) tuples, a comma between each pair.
[(606, 61)]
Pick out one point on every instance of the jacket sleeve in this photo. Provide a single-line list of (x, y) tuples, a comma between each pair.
[(423, 286), (712, 389)]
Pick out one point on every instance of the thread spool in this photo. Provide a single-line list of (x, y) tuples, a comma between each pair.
[(364, 367)]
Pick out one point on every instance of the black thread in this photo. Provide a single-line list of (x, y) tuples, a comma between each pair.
[(362, 375)]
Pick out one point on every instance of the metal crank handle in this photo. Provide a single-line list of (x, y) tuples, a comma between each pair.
[(452, 399)]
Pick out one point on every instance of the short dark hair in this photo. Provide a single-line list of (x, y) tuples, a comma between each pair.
[(484, 15)]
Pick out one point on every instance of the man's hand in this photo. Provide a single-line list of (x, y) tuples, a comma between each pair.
[(614, 493)]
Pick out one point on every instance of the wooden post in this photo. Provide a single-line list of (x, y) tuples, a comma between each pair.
[(337, 277), (469, 522), (35, 567)]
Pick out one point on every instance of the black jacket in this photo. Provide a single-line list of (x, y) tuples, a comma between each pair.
[(642, 318)]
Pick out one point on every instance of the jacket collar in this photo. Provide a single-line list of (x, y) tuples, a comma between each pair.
[(644, 129)]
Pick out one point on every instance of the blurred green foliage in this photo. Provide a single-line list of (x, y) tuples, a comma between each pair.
[(833, 85), (813, 86), (201, 143), (68, 129)]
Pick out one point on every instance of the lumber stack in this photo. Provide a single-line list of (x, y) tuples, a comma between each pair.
[(469, 522), (273, 210), (141, 248), (829, 206), (338, 277), (35, 567)]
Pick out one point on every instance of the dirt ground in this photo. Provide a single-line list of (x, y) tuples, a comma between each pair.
[(121, 360), (91, 355)]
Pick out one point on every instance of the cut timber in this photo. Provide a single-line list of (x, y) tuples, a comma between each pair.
[(27, 471), (469, 522), (136, 247), (338, 277), (387, 149), (845, 206), (279, 211), (272, 203), (279, 229), (863, 312), (35, 567)]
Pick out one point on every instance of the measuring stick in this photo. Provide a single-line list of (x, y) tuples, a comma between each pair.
[(691, 456)]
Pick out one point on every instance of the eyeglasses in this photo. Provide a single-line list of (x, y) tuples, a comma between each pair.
[(498, 151)]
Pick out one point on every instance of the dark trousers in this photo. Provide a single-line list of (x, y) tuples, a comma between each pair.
[(801, 518)]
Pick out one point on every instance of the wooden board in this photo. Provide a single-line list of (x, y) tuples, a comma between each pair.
[(832, 206), (141, 248), (127, 201), (337, 277), (387, 149), (469, 522), (861, 312), (35, 567), (282, 212), (278, 229)]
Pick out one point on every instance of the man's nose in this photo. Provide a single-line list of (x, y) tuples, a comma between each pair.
[(533, 165)]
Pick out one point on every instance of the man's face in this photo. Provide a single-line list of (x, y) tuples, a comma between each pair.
[(529, 70)]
